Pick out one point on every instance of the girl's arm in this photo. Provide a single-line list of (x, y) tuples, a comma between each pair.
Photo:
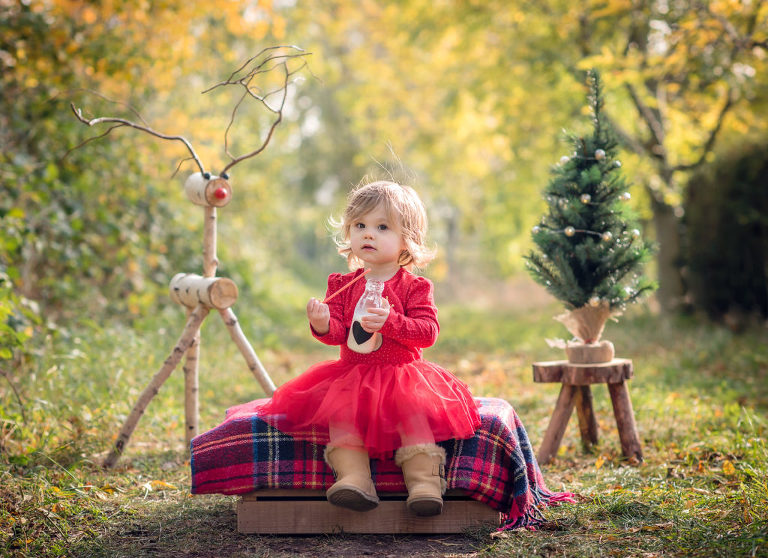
[(336, 334), (417, 325)]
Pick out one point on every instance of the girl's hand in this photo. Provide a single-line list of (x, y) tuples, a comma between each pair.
[(374, 320), (319, 316)]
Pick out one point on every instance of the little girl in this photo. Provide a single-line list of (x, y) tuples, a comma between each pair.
[(380, 396)]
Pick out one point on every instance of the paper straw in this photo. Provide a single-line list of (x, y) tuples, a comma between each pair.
[(329, 297)]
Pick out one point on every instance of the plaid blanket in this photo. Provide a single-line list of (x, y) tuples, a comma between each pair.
[(496, 466)]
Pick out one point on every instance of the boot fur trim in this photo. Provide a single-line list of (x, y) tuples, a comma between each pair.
[(405, 453), (432, 450)]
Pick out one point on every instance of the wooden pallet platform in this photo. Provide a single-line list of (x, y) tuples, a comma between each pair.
[(305, 512)]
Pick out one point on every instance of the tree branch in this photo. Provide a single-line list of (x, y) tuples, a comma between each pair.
[(709, 144), (741, 42), (654, 125)]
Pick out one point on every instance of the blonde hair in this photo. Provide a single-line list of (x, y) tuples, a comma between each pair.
[(402, 205)]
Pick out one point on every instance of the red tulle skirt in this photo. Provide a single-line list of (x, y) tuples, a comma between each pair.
[(382, 406)]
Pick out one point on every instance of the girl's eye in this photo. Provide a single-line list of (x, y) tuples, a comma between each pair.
[(383, 227), (359, 225)]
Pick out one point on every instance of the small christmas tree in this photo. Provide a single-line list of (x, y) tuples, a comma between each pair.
[(590, 252)]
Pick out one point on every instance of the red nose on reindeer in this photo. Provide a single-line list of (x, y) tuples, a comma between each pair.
[(221, 193)]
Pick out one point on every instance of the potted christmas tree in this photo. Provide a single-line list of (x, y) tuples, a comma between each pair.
[(588, 252)]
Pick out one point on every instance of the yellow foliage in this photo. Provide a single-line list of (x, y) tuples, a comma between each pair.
[(472, 96)]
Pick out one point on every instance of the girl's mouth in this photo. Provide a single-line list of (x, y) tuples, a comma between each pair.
[(368, 247)]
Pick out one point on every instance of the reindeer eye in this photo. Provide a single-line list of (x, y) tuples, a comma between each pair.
[(207, 175), (225, 176)]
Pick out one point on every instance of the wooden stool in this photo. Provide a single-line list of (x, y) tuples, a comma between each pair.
[(576, 379)]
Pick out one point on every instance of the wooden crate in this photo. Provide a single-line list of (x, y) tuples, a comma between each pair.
[(282, 512)]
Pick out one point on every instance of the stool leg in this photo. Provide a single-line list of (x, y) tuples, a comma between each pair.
[(586, 414), (625, 420), (557, 424)]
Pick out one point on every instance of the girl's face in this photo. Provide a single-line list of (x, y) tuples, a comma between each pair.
[(376, 239)]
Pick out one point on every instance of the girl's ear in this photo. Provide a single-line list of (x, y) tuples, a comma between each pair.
[(404, 257)]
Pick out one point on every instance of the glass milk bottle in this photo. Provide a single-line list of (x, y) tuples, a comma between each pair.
[(360, 340)]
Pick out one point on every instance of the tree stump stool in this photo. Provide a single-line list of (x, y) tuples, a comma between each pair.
[(575, 391)]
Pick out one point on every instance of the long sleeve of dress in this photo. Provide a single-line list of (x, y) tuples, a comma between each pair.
[(337, 334), (417, 324)]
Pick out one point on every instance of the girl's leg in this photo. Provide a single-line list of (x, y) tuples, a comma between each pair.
[(344, 436), (423, 468), (423, 464), (415, 430), (345, 454)]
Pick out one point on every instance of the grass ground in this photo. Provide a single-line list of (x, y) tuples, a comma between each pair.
[(700, 395)]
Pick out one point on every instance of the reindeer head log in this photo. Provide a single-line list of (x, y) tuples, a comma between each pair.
[(213, 191)]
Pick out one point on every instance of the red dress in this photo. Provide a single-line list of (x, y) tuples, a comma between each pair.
[(390, 397)]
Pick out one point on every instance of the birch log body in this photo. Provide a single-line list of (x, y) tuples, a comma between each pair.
[(189, 289), (214, 191)]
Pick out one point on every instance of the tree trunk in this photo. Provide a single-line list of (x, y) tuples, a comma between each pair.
[(669, 256)]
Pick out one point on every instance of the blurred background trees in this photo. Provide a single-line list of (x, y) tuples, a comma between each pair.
[(726, 241), (464, 100)]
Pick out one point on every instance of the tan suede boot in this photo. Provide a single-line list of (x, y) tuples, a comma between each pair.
[(354, 487), (424, 473)]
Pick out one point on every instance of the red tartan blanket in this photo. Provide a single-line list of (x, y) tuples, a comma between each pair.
[(496, 466)]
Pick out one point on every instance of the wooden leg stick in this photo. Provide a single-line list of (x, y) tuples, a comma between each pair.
[(625, 421), (187, 338), (586, 413), (191, 389), (557, 424), (254, 364)]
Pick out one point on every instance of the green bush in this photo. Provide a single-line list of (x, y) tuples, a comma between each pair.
[(726, 214)]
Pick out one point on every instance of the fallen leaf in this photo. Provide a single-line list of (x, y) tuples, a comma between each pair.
[(161, 485), (657, 526)]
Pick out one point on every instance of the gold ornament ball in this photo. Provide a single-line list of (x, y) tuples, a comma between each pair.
[(564, 159), (569, 231), (536, 229), (585, 198), (594, 301), (599, 154), (635, 233), (607, 236), (626, 196)]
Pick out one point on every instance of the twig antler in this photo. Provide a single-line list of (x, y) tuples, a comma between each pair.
[(267, 60), (120, 122), (264, 62)]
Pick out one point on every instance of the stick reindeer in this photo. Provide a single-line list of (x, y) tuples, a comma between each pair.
[(200, 294)]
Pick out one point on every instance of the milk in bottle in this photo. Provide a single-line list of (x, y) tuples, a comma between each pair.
[(360, 340)]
